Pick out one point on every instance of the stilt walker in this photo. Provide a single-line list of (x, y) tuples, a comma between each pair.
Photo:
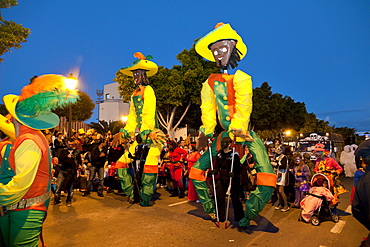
[(142, 117), (26, 195), (228, 97)]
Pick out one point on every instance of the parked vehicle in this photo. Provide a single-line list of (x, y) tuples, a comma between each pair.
[(333, 142)]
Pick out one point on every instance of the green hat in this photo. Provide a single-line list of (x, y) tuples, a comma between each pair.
[(33, 108)]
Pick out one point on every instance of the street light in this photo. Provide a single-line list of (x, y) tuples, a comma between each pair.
[(71, 84), (124, 118)]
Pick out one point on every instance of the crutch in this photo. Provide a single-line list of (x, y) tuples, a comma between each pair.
[(228, 193), (214, 184)]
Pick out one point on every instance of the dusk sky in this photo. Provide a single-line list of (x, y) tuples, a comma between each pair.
[(316, 52)]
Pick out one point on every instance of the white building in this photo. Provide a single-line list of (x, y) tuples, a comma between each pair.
[(112, 108)]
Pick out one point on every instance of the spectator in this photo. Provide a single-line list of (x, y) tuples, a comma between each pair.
[(98, 158), (301, 174), (70, 159), (361, 202), (59, 144), (223, 173), (282, 171)]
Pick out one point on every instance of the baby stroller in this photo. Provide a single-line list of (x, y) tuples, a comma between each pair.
[(316, 206)]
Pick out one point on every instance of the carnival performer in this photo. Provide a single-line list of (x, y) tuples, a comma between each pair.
[(329, 167), (142, 116), (6, 172), (27, 195), (177, 157), (229, 97), (125, 179), (193, 156), (347, 159)]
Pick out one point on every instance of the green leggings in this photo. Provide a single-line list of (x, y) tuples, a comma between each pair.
[(21, 228)]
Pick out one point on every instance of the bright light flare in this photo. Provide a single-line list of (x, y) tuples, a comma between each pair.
[(124, 118), (71, 82), (288, 132)]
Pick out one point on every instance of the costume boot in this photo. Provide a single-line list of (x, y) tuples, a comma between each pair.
[(175, 192), (182, 193)]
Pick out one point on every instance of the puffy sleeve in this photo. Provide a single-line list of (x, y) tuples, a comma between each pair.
[(27, 159), (149, 110), (335, 165), (131, 120), (208, 109), (243, 102)]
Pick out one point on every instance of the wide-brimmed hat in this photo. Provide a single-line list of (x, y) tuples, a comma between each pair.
[(33, 108), (7, 126), (319, 147), (221, 31), (143, 63)]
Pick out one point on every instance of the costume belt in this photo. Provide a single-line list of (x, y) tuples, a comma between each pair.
[(24, 203)]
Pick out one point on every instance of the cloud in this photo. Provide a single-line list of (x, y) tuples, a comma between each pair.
[(343, 111)]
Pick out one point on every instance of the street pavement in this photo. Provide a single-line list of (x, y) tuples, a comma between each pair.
[(111, 221)]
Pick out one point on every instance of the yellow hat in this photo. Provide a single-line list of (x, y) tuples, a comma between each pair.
[(221, 31), (46, 120), (7, 127), (141, 63)]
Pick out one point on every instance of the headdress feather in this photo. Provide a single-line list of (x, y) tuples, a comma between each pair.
[(45, 93)]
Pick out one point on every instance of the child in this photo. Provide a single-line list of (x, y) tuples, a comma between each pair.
[(312, 202), (301, 174)]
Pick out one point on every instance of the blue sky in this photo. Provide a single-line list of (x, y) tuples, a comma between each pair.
[(316, 52)]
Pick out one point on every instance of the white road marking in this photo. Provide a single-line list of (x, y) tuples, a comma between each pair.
[(177, 203), (349, 209), (338, 226)]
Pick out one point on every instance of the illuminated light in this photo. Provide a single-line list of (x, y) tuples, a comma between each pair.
[(124, 118), (71, 82)]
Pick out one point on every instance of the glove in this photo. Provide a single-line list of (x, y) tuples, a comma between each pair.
[(203, 130), (124, 133)]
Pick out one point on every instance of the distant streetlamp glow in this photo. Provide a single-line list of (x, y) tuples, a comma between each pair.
[(71, 84), (124, 118), (287, 133)]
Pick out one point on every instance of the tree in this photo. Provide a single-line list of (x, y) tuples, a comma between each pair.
[(102, 127), (81, 110), (3, 110), (176, 89), (11, 33), (272, 111), (348, 134), (312, 124)]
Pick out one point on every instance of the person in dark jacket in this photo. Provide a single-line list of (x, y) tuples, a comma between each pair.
[(115, 151), (98, 158), (69, 159), (223, 173), (361, 202)]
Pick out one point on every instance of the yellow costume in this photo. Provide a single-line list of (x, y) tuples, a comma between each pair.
[(142, 117)]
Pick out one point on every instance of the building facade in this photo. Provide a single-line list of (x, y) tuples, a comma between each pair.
[(112, 108)]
